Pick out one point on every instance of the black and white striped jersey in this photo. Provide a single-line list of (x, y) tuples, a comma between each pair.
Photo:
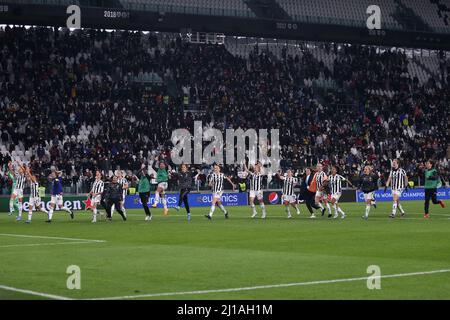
[(256, 179), (34, 189), (398, 179), (335, 183), (98, 186), (122, 181), (319, 178), (20, 181), (216, 180), (288, 186)]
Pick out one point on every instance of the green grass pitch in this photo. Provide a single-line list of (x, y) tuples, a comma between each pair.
[(169, 258)]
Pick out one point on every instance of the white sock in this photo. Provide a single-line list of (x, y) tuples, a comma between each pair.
[(394, 208), (20, 209), (94, 214), (123, 209), (50, 213), (288, 211), (42, 208), (156, 197), (341, 211), (66, 209), (253, 208), (367, 210), (30, 214), (211, 211), (320, 205), (164, 202), (263, 208), (112, 208), (401, 208), (297, 209), (329, 207), (11, 205), (222, 208), (336, 212)]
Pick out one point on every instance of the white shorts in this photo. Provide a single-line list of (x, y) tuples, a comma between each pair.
[(96, 199), (336, 196), (287, 198), (217, 195), (18, 193), (35, 202), (163, 186), (57, 199), (256, 194), (397, 192), (369, 196)]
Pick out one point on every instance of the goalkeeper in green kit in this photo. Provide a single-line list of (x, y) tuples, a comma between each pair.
[(432, 183)]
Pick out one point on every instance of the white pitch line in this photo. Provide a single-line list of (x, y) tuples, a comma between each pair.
[(35, 293), (284, 285), (47, 237), (46, 244)]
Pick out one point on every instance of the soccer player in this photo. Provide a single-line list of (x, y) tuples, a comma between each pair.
[(432, 181), (56, 198), (335, 183), (162, 178), (144, 190), (124, 185), (35, 199), (17, 191), (307, 194), (216, 180), (114, 197), (185, 180), (96, 195), (288, 197), (368, 183), (13, 201), (256, 178), (398, 180), (320, 177)]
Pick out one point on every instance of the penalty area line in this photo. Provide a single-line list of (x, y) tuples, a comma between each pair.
[(283, 285)]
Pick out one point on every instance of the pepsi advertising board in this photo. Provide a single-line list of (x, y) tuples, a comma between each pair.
[(195, 200), (411, 194), (272, 197)]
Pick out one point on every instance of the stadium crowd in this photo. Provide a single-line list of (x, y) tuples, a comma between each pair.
[(73, 100)]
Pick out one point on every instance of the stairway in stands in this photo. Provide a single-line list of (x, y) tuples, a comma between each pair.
[(269, 9)]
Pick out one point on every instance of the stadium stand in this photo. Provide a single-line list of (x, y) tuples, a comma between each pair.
[(348, 12), (71, 99)]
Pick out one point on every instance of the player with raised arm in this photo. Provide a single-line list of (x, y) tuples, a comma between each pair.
[(368, 183), (13, 201), (321, 196), (17, 191), (162, 179), (256, 190), (56, 198), (216, 181), (398, 180), (35, 199), (288, 197), (96, 194), (335, 184)]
